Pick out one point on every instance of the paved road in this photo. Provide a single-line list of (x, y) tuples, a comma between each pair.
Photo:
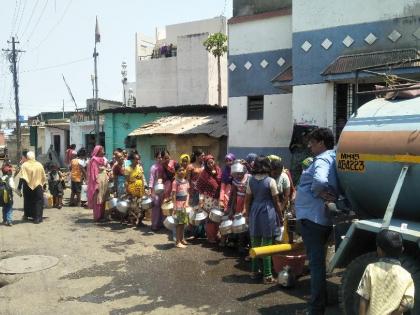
[(112, 269)]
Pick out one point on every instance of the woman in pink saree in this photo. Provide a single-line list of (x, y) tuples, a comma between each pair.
[(95, 187)]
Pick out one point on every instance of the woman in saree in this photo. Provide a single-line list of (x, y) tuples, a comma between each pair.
[(96, 182), (156, 174), (208, 186)]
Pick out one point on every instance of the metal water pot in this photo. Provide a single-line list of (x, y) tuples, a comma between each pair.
[(159, 188), (146, 203), (170, 223), (167, 208), (286, 278), (237, 168), (112, 203), (198, 217), (239, 224), (216, 215), (225, 227), (123, 206)]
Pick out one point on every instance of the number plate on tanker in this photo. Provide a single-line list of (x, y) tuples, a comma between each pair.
[(350, 162)]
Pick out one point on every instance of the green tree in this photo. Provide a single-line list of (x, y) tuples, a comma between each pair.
[(216, 44)]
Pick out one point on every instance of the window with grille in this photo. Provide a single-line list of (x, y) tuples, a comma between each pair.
[(155, 149), (204, 149), (255, 107)]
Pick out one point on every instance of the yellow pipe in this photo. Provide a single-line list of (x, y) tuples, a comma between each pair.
[(273, 249)]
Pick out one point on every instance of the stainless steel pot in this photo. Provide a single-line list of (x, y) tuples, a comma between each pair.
[(146, 203), (239, 224), (170, 222), (198, 217), (123, 206), (225, 227), (112, 203), (167, 208), (216, 215), (159, 188), (237, 168)]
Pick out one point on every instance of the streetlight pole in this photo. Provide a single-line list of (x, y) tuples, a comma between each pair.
[(124, 80)]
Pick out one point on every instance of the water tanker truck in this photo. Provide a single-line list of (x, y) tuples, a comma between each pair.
[(378, 165)]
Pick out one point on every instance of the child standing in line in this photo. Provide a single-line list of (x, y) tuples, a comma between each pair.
[(7, 194), (386, 287), (56, 186), (180, 197)]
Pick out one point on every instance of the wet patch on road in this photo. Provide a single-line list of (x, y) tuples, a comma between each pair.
[(199, 278)]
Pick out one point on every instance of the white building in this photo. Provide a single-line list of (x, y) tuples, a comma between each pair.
[(293, 64), (174, 68)]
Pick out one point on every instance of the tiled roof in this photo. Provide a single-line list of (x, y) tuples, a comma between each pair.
[(349, 63)]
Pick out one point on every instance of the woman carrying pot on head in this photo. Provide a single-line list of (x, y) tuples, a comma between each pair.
[(262, 206), (97, 182), (208, 186), (156, 174)]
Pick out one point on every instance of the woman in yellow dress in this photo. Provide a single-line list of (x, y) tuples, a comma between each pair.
[(135, 180)]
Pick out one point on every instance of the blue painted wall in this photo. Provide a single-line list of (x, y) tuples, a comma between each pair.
[(256, 80), (308, 66), (118, 125)]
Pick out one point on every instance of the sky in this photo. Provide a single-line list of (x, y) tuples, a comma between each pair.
[(58, 39)]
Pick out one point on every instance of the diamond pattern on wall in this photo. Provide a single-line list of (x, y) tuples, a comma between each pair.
[(306, 46), (281, 61), (232, 67), (326, 44), (264, 63), (370, 39), (394, 36), (248, 65), (416, 34), (348, 41)]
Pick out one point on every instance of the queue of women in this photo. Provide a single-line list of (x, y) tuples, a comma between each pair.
[(198, 184)]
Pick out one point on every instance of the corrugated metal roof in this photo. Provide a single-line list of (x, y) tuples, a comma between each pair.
[(185, 124), (176, 109), (350, 63), (284, 76)]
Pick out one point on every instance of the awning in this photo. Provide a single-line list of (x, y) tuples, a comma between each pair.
[(350, 63), (185, 124)]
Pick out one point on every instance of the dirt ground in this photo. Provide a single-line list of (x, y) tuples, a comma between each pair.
[(113, 269)]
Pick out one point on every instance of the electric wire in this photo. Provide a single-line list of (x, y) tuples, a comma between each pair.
[(54, 26), (57, 66), (37, 22), (21, 17), (14, 18), (30, 18)]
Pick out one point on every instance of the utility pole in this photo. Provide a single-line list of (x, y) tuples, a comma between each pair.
[(63, 109), (13, 61)]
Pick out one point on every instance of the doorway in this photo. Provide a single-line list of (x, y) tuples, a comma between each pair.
[(57, 144)]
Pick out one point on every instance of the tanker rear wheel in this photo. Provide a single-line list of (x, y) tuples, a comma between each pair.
[(348, 298)]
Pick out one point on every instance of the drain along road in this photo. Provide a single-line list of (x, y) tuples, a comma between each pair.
[(113, 269)]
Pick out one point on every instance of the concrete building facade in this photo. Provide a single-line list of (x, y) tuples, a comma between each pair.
[(293, 64), (175, 69)]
